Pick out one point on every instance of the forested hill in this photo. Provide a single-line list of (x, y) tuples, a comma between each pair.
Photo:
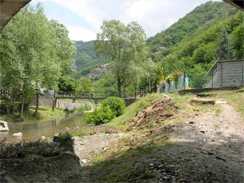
[(86, 57), (213, 31), (202, 16)]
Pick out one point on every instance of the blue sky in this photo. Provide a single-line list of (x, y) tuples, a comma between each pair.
[(83, 18)]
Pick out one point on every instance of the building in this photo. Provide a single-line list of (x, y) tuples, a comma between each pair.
[(8, 8), (226, 73)]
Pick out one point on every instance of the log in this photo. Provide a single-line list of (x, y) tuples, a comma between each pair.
[(203, 101)]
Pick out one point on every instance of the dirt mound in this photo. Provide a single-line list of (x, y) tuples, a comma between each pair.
[(157, 112)]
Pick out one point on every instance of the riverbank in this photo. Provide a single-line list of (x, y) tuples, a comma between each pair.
[(44, 114), (158, 139)]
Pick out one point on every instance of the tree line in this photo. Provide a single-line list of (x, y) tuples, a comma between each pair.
[(34, 53)]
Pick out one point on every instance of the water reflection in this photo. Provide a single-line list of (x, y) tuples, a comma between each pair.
[(33, 131)]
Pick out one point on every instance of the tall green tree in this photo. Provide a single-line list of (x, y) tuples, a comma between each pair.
[(237, 38), (34, 54), (125, 46), (223, 51)]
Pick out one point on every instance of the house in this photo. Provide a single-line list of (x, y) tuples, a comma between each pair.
[(226, 73)]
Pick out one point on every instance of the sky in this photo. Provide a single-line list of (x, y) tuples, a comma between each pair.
[(83, 18)]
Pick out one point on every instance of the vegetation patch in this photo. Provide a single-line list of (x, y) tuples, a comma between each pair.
[(109, 108)]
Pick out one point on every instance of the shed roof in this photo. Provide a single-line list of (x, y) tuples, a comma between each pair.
[(8, 8), (237, 3)]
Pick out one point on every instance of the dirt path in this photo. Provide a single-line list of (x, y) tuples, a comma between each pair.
[(220, 140)]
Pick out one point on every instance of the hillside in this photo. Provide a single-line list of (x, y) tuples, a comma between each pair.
[(86, 57), (202, 16), (194, 43)]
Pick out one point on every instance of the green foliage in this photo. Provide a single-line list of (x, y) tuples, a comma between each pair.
[(203, 15), (211, 32), (34, 53), (86, 57), (110, 108), (237, 40), (125, 46), (117, 105), (67, 84), (132, 110), (223, 50), (100, 116), (84, 86)]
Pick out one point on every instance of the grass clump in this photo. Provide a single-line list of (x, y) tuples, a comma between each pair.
[(133, 109)]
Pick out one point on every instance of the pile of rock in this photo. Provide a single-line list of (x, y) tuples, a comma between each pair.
[(157, 112)]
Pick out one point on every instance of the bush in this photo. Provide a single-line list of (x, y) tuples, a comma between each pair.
[(100, 116), (117, 105), (109, 109)]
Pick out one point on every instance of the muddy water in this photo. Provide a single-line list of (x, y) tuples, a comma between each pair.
[(33, 131)]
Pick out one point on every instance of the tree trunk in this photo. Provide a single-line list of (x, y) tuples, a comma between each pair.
[(119, 87), (37, 102), (54, 102), (22, 106)]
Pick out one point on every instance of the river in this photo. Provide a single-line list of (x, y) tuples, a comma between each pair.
[(33, 131)]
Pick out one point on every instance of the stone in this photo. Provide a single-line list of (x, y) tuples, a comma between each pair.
[(4, 126), (43, 138), (18, 135)]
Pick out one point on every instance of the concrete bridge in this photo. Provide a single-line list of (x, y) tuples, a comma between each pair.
[(93, 97)]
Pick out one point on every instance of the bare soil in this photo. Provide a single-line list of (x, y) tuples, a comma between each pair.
[(205, 148)]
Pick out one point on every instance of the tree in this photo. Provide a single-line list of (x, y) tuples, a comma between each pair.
[(125, 46), (223, 51), (84, 86), (34, 53), (237, 41)]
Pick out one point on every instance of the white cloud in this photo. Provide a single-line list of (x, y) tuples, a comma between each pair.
[(80, 33), (153, 15)]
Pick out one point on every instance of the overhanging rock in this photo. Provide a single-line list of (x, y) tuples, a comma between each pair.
[(237, 3), (8, 8)]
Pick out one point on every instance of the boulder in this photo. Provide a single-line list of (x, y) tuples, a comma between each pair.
[(18, 135), (4, 126)]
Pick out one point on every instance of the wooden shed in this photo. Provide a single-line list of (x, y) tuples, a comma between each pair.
[(226, 73), (8, 8)]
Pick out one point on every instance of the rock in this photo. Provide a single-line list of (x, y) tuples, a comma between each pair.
[(4, 126), (84, 161), (18, 135), (43, 138)]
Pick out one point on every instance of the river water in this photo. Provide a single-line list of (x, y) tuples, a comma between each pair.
[(33, 131)]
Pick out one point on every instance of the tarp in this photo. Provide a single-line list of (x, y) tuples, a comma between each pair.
[(8, 8)]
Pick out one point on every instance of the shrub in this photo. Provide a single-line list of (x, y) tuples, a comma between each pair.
[(117, 105), (109, 109), (100, 116)]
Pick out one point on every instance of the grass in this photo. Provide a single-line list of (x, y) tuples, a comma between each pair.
[(234, 97), (44, 114), (133, 109)]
